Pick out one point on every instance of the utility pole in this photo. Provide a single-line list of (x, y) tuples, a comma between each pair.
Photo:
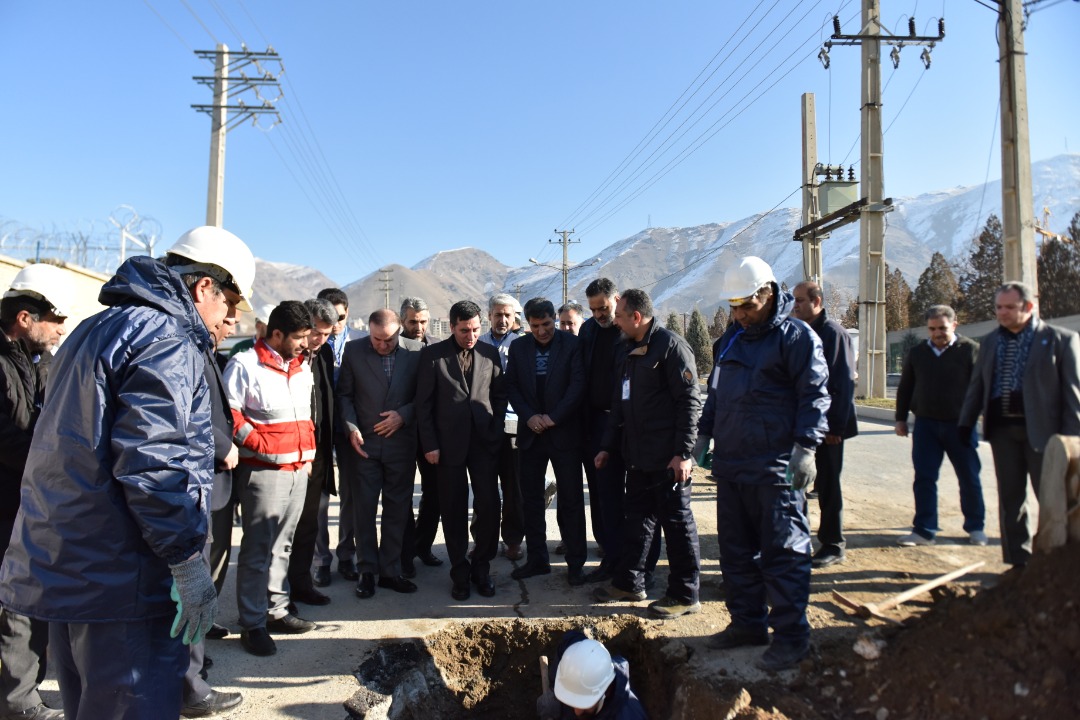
[(386, 284), (518, 287), (873, 206), (811, 246), (1017, 204), (224, 65), (565, 242)]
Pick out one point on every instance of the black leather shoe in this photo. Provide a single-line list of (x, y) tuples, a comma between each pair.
[(828, 555), (734, 636), (575, 577), (257, 641), (322, 576), (212, 704), (309, 596), (460, 591), (408, 569), (530, 569), (484, 586), (289, 625), (347, 570), (397, 584), (429, 559), (216, 632), (366, 587)]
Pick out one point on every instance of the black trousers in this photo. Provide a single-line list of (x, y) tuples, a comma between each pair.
[(830, 462), (652, 500), (513, 515), (392, 480), (570, 511), (420, 531), (307, 530), (479, 469)]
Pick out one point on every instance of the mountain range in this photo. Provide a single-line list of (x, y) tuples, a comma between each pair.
[(681, 266)]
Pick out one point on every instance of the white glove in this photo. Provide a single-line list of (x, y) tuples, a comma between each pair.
[(196, 599), (802, 469)]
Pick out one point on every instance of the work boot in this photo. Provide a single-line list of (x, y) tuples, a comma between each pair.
[(783, 656), (667, 608), (734, 636), (614, 594), (38, 712)]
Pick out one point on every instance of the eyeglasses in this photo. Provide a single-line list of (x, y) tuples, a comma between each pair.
[(341, 318)]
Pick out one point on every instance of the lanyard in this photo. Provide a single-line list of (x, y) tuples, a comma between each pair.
[(730, 343)]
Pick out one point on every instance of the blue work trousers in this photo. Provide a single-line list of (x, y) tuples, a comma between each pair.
[(767, 521), (119, 670), (931, 441)]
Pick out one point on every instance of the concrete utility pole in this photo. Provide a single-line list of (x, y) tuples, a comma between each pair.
[(811, 246), (873, 351), (1017, 203), (386, 284), (565, 242), (218, 110)]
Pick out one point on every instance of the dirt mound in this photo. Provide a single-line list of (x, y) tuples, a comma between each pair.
[(1010, 651)]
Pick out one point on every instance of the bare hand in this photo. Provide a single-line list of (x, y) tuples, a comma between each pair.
[(432, 457), (601, 459), (233, 458), (831, 439), (536, 424), (391, 423), (357, 442), (901, 428), (681, 468), (548, 422)]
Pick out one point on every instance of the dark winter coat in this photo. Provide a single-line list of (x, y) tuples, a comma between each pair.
[(839, 353), (621, 703), (768, 390), (22, 390), (659, 419), (119, 475)]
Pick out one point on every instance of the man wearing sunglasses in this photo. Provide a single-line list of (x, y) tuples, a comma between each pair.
[(768, 395)]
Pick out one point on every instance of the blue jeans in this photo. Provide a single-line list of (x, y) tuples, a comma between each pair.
[(931, 441)]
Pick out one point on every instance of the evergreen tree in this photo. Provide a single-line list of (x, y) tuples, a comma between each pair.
[(937, 286), (719, 322), (1058, 270), (897, 300), (850, 318), (983, 273), (674, 323), (697, 335)]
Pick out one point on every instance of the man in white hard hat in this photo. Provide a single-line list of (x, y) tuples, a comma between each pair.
[(32, 315), (589, 683), (766, 413), (107, 545)]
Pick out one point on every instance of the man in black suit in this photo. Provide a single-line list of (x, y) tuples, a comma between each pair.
[(545, 381), (376, 390), (461, 405)]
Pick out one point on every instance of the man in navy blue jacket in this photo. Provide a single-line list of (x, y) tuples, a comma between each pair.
[(766, 413)]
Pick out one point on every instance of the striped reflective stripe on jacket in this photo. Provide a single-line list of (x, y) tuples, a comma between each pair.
[(270, 401)]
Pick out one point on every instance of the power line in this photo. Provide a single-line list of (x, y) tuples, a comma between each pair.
[(166, 24), (199, 20)]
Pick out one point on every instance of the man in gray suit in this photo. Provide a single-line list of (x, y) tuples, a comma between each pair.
[(1026, 384), (545, 381), (376, 389), (460, 406)]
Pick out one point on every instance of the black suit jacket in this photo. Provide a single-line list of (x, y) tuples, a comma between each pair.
[(564, 389), (451, 414), (363, 394), (322, 413), (222, 421)]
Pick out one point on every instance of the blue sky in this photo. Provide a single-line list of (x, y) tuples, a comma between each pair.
[(412, 127)]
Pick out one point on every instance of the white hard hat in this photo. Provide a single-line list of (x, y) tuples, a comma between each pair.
[(745, 279), (209, 245), (44, 282), (584, 674), (264, 312)]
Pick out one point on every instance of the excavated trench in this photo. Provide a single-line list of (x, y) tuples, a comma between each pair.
[(491, 669)]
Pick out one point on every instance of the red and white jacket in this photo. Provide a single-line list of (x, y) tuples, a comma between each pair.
[(270, 401)]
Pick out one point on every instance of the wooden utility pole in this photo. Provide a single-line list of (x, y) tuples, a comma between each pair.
[(811, 246), (1017, 204)]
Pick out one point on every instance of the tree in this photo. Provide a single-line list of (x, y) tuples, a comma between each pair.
[(697, 336), (850, 318), (897, 300), (719, 322), (937, 286), (674, 323), (1058, 270), (983, 273), (836, 301)]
